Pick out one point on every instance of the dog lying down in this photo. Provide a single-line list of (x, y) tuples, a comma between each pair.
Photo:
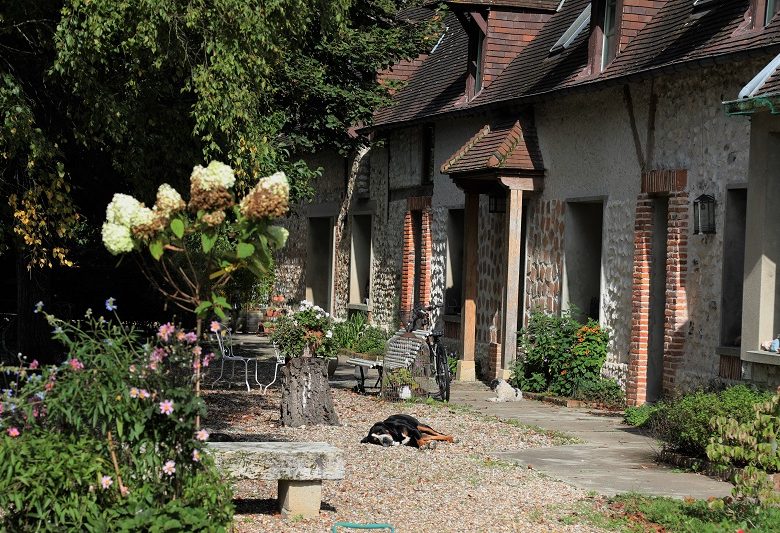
[(406, 430)]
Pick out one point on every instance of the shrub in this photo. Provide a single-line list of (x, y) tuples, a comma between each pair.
[(109, 439), (639, 416), (605, 391), (686, 423), (310, 327), (356, 335), (751, 444), (560, 354)]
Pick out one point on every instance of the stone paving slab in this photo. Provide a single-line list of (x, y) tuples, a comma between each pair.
[(614, 457)]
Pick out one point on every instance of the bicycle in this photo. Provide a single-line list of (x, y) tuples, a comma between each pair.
[(421, 321)]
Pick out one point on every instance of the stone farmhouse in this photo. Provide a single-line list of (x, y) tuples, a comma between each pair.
[(556, 154)]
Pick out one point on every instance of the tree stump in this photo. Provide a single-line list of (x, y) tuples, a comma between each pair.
[(306, 398)]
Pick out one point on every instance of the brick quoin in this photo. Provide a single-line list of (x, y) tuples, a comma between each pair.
[(672, 184), (407, 268), (421, 203), (426, 251)]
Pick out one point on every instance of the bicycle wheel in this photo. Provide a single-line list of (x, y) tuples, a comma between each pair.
[(442, 373)]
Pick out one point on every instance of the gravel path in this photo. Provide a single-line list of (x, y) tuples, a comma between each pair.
[(455, 487)]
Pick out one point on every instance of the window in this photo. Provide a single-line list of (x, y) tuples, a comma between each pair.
[(772, 7), (609, 44), (360, 267), (571, 34), (428, 161), (476, 55)]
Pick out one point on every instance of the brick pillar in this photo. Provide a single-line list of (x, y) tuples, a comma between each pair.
[(676, 302), (407, 269), (426, 253), (636, 386), (495, 369)]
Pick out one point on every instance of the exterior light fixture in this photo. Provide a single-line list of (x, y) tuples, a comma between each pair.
[(704, 215), (497, 203)]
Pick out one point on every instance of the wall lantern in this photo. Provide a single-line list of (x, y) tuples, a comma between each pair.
[(497, 203), (704, 214)]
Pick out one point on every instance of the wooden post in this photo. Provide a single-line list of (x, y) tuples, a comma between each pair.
[(468, 326), (512, 270)]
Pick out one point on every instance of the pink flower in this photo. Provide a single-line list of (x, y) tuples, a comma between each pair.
[(124, 491), (215, 326), (196, 363), (166, 407), (143, 394), (202, 435), (34, 364), (106, 482), (49, 385), (208, 359), (197, 351), (13, 432), (153, 366), (132, 369), (75, 364), (158, 355), (191, 337), (196, 456), (180, 336), (169, 468), (2, 406), (165, 331), (134, 392)]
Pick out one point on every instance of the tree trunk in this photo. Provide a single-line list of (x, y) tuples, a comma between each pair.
[(306, 398)]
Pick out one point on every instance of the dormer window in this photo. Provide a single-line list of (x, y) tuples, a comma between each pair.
[(772, 8), (478, 29), (609, 44)]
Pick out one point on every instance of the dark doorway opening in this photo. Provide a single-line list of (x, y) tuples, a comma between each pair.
[(657, 317)]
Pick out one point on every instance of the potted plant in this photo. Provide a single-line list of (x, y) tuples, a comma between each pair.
[(305, 338), (399, 383)]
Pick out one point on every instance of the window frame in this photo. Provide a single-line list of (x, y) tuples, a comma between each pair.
[(428, 155), (602, 48), (476, 56)]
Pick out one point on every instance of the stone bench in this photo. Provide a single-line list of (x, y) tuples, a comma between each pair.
[(299, 467)]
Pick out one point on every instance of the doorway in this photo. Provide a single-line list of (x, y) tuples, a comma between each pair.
[(657, 316), (582, 263), (319, 261)]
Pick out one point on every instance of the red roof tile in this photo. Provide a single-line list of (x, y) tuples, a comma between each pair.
[(502, 145)]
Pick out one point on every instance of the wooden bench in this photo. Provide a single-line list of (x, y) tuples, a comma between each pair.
[(299, 467), (400, 352)]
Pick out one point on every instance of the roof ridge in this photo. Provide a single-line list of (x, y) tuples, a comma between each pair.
[(484, 130), (507, 146)]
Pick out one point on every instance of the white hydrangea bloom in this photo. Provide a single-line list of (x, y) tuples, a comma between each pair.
[(124, 210), (169, 200), (269, 198), (117, 238), (213, 176)]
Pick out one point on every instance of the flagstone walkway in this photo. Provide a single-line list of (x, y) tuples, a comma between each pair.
[(614, 458)]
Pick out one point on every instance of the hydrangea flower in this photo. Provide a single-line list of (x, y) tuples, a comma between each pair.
[(169, 468), (110, 304), (124, 210), (13, 432), (117, 238), (215, 175), (268, 199), (169, 201), (166, 407), (202, 435), (106, 482)]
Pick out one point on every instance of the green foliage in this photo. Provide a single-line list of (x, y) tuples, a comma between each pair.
[(398, 377), (751, 443), (606, 392), (112, 398), (356, 335), (634, 512), (310, 327), (686, 423), (639, 416), (560, 354)]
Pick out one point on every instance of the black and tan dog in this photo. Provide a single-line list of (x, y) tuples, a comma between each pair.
[(406, 430)]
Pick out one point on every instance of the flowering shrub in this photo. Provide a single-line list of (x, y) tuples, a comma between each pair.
[(108, 439), (560, 354), (191, 269), (310, 326)]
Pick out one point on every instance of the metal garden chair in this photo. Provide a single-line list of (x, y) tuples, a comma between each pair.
[(226, 350)]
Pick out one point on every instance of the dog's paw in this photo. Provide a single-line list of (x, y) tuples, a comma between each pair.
[(432, 445)]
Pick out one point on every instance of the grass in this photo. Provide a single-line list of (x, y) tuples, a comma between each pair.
[(638, 513)]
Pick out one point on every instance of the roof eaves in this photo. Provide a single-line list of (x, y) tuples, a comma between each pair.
[(465, 148), (753, 86)]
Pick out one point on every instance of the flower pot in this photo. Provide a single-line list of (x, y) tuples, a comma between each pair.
[(405, 392)]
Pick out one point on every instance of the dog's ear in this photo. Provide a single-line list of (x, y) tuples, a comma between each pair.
[(494, 384), (365, 440)]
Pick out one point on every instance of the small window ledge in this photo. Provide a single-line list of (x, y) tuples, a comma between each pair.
[(762, 357), (732, 351), (359, 307)]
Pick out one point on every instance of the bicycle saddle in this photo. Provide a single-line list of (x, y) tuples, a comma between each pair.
[(438, 333)]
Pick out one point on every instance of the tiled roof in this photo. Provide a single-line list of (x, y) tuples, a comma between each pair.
[(765, 83), (772, 84), (503, 145), (679, 33), (545, 5), (437, 85)]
